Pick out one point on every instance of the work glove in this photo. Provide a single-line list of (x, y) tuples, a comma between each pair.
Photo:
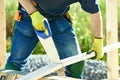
[(98, 48), (38, 22)]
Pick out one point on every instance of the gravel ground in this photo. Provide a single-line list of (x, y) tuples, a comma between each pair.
[(94, 70)]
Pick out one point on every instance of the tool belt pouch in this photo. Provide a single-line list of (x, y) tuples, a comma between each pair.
[(68, 17), (18, 16)]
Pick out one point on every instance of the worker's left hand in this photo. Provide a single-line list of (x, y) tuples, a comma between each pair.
[(98, 48)]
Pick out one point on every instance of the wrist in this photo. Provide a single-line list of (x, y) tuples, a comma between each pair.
[(32, 12), (98, 37)]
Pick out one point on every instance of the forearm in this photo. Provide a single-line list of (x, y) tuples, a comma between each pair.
[(28, 6), (97, 25)]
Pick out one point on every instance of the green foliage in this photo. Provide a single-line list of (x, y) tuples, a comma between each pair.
[(8, 44), (39, 49), (10, 8), (82, 26)]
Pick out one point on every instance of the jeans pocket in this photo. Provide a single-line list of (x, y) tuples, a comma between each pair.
[(24, 28)]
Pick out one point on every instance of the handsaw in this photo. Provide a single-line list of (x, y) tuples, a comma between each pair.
[(49, 46)]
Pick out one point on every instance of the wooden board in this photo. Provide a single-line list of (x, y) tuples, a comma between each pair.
[(4, 72), (2, 35), (55, 66), (112, 37), (52, 53), (59, 78), (11, 74), (111, 47)]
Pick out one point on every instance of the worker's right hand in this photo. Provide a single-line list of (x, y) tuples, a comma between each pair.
[(38, 22)]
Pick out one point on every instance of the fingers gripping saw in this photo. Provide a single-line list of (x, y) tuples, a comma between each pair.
[(44, 33)]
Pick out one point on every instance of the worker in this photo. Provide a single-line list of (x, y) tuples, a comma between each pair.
[(31, 16)]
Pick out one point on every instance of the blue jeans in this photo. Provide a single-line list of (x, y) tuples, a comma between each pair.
[(25, 40)]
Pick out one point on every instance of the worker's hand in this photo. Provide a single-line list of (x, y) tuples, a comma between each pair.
[(38, 22), (98, 48)]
